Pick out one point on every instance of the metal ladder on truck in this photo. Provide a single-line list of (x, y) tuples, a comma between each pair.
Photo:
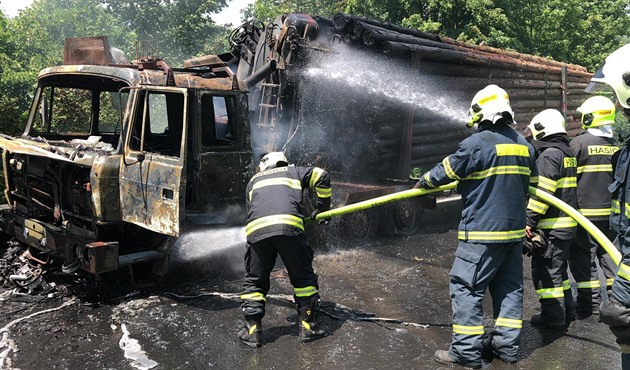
[(269, 108)]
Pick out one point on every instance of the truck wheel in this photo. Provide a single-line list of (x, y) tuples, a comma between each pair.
[(359, 227), (402, 217)]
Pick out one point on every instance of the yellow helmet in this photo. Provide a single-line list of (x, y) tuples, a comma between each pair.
[(597, 111), (615, 72), (489, 104), (546, 123)]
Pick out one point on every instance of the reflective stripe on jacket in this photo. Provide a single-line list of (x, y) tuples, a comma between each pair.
[(274, 200), (557, 175), (493, 167), (594, 174)]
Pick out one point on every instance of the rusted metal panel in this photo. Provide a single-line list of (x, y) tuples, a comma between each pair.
[(150, 194), (104, 179), (87, 50)]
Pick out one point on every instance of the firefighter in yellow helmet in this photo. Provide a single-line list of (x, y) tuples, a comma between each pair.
[(493, 167), (593, 148), (275, 226)]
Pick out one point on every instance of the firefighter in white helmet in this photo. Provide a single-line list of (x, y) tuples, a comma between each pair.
[(593, 148), (557, 175), (493, 167), (275, 226), (615, 74)]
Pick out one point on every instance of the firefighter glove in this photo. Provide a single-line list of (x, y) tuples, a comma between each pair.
[(536, 245)]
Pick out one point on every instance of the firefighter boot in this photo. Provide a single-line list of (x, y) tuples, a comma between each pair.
[(445, 358), (309, 328), (251, 333)]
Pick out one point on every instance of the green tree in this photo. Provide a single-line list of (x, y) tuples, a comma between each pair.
[(183, 28), (15, 82), (574, 31)]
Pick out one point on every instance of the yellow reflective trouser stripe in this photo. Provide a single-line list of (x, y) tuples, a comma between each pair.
[(510, 323), (533, 179), (595, 211), (294, 184), (490, 235), (556, 223), (547, 184), (518, 150), (323, 192), (253, 296), (626, 207), (595, 168), (536, 206), (615, 207), (566, 284), (624, 271), (499, 170), (315, 175), (468, 330), (609, 282), (449, 171), (252, 329), (305, 292), (567, 182), (547, 293), (274, 220), (427, 179), (593, 284)]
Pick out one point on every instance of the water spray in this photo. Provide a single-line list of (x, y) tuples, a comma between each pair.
[(545, 197)]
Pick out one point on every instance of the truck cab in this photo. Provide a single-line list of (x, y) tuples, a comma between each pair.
[(118, 159)]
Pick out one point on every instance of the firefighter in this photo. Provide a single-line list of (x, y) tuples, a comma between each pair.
[(615, 311), (557, 175), (275, 225), (493, 167), (593, 149)]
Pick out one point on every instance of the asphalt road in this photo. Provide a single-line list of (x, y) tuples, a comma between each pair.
[(386, 305)]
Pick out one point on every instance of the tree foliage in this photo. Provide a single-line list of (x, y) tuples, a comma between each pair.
[(573, 31)]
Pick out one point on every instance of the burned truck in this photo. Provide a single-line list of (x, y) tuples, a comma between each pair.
[(117, 158), (373, 102)]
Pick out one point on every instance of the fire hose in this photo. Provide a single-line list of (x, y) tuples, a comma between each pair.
[(545, 197)]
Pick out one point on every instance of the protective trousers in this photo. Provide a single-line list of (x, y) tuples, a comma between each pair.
[(584, 253), (498, 268), (551, 281), (260, 259)]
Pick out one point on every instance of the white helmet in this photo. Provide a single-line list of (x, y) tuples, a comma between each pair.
[(489, 104), (547, 122), (272, 160), (615, 72), (597, 111)]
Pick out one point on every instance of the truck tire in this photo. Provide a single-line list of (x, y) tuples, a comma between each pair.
[(359, 227), (402, 217)]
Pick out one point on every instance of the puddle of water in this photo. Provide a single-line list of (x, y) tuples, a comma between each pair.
[(134, 352)]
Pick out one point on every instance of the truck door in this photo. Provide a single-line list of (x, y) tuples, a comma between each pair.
[(151, 188), (224, 156)]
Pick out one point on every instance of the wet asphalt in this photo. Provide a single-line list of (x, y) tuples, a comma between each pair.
[(386, 305)]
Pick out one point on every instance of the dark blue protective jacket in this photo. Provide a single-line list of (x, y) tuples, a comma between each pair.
[(557, 175), (494, 167), (274, 200), (594, 174)]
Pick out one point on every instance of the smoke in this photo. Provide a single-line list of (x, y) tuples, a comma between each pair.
[(391, 81), (350, 109)]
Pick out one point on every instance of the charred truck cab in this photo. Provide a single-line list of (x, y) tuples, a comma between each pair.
[(118, 159)]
